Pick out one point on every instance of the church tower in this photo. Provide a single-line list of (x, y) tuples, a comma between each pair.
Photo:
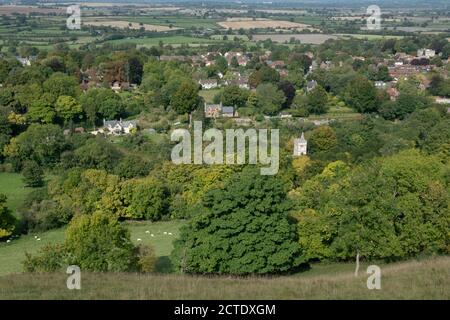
[(300, 146)]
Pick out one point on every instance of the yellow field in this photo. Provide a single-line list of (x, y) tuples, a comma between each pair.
[(261, 24)]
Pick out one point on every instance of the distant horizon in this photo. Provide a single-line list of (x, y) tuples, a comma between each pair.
[(387, 3)]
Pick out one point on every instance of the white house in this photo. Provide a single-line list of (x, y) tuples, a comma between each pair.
[(208, 84), (300, 146), (118, 127)]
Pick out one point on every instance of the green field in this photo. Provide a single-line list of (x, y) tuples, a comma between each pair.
[(424, 279), (175, 40), (208, 95), (177, 21), (12, 254), (11, 185)]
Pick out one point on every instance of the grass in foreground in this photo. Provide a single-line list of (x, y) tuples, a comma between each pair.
[(425, 279)]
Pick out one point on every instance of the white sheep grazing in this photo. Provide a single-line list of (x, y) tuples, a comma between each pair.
[(8, 241), (35, 237), (38, 239), (170, 233), (147, 231), (139, 239), (165, 232), (152, 235)]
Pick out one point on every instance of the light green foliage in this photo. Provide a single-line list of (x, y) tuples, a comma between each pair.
[(98, 242), (322, 138), (392, 207), (68, 108), (144, 199)]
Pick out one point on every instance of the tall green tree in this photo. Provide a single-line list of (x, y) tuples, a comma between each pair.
[(186, 98), (243, 230), (7, 220)]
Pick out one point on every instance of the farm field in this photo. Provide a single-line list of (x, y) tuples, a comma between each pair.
[(174, 40), (126, 24), (12, 254), (8, 10), (304, 38), (416, 279), (369, 36), (261, 24), (185, 22)]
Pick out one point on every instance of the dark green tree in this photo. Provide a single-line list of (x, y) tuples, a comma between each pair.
[(244, 230), (33, 175)]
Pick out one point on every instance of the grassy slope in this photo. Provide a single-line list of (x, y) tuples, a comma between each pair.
[(12, 186), (12, 254), (425, 279)]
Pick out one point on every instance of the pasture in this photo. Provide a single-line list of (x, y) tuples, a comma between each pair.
[(125, 24), (11, 185), (304, 38), (12, 254), (172, 40)]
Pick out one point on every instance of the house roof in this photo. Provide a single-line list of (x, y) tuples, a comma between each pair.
[(228, 110), (302, 138)]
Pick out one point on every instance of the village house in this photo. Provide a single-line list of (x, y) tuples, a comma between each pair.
[(241, 58), (117, 127), (380, 84), (393, 93), (208, 83), (24, 61), (442, 100), (218, 110), (277, 64), (212, 110), (241, 82), (173, 58)]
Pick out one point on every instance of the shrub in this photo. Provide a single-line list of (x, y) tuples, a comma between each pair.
[(7, 220), (98, 242), (146, 258), (49, 259)]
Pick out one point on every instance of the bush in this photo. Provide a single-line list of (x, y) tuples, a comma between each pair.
[(98, 242), (49, 259), (7, 220), (146, 258)]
